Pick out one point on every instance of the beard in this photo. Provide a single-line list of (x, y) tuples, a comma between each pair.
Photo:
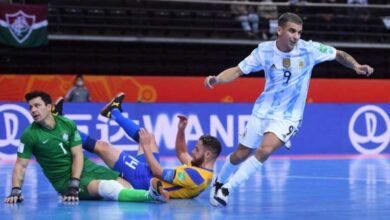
[(196, 162)]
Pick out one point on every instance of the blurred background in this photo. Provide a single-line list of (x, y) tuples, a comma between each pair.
[(192, 38)]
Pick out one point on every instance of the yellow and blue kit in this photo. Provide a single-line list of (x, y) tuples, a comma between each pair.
[(182, 182), (186, 181)]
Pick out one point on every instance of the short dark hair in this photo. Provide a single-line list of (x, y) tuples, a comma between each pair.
[(212, 144), (32, 95), (289, 17)]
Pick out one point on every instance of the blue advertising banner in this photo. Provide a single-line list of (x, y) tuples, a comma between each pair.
[(326, 128)]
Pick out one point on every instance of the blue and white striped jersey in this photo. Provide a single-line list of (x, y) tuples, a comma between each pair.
[(287, 77)]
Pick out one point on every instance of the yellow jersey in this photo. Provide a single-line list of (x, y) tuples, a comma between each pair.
[(186, 181)]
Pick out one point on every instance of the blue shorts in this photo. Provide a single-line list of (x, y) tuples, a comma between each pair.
[(135, 169)]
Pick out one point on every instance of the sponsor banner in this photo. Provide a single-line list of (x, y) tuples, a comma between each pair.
[(326, 128), (23, 25), (181, 89)]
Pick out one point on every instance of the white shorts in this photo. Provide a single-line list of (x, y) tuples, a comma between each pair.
[(257, 127)]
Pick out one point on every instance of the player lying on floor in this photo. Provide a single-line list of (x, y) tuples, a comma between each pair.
[(182, 182)]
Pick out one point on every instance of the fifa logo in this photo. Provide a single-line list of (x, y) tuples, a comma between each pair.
[(369, 130)]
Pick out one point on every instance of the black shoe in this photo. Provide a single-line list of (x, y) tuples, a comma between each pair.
[(115, 103), (57, 107)]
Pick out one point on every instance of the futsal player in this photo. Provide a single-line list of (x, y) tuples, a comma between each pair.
[(278, 111)]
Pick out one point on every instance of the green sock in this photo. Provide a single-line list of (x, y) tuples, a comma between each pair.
[(134, 195)]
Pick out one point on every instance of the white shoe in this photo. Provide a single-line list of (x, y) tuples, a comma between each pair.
[(222, 196), (157, 192), (214, 189)]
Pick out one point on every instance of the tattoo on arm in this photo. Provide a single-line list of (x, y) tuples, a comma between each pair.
[(346, 59)]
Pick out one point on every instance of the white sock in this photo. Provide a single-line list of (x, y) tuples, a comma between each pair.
[(247, 169), (227, 169)]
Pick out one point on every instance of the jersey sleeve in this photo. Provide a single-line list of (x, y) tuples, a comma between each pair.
[(25, 146), (252, 63), (184, 176), (322, 52)]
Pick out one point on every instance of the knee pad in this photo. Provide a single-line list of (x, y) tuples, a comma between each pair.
[(110, 189)]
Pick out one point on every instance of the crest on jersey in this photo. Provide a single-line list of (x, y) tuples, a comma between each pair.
[(65, 137), (181, 176), (301, 64), (286, 62), (323, 48)]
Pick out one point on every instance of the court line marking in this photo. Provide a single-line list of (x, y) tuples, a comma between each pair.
[(368, 180)]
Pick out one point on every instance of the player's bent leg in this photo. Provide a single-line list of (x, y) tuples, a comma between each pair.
[(87, 142), (124, 182), (269, 145), (253, 164), (113, 190), (242, 153), (126, 124), (93, 188), (155, 149), (155, 193), (107, 153), (109, 189), (247, 169), (136, 172), (114, 110)]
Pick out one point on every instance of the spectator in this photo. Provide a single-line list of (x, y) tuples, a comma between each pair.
[(297, 2), (248, 18), (269, 12), (386, 22), (78, 93), (363, 12)]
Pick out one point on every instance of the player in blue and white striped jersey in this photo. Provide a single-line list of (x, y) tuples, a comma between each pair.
[(287, 62)]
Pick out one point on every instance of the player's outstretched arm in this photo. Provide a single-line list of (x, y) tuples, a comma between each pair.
[(348, 61), (145, 142), (17, 181), (225, 76), (181, 146), (72, 194)]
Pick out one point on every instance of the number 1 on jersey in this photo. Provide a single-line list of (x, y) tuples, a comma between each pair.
[(62, 147)]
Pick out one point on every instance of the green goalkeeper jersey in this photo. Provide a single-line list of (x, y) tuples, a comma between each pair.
[(51, 147)]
